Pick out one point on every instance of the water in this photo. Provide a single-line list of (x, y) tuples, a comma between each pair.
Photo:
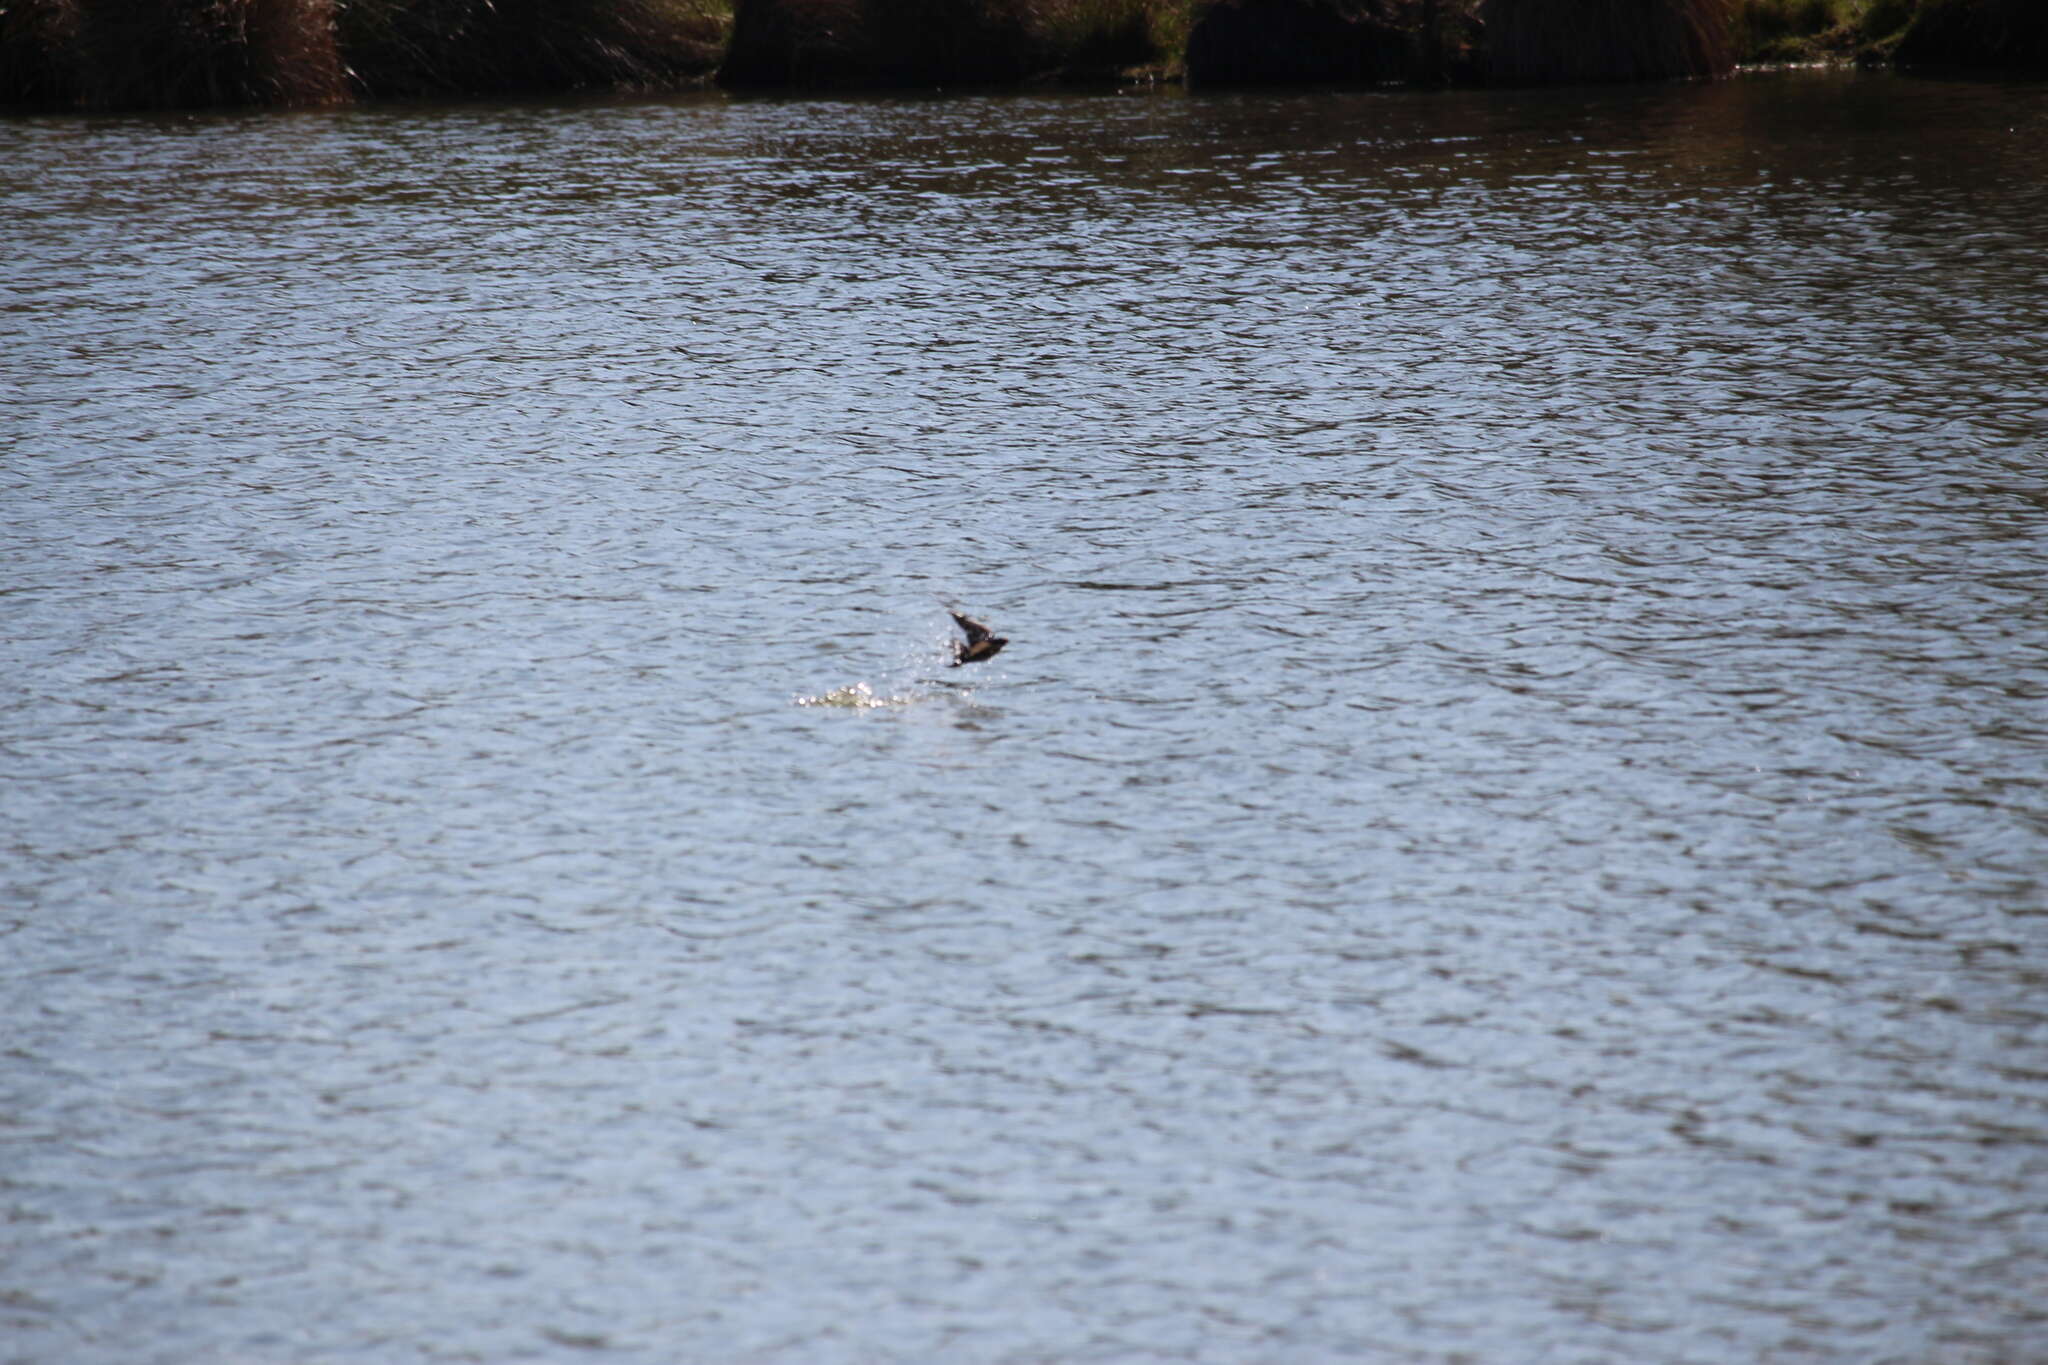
[(1511, 825)]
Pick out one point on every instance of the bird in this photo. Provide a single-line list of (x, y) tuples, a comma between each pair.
[(981, 642)]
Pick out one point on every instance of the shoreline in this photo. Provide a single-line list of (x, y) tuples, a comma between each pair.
[(134, 55)]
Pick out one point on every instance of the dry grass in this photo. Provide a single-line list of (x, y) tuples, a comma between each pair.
[(147, 53), (422, 47)]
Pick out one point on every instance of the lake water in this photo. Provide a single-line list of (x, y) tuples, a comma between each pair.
[(1512, 825)]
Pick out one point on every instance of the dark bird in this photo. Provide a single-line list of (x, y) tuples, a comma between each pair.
[(981, 642)]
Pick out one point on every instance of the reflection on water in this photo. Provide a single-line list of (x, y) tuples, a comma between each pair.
[(1511, 825)]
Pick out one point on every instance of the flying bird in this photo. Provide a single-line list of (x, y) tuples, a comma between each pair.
[(981, 642)]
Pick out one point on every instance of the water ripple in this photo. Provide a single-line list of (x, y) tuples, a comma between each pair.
[(1517, 782)]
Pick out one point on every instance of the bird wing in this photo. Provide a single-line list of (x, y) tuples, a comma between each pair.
[(976, 631)]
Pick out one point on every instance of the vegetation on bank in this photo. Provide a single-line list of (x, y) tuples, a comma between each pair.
[(1531, 42), (946, 42), (99, 54), (111, 54), (1798, 31)]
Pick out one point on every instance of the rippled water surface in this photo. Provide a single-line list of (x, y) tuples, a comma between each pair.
[(1511, 826)]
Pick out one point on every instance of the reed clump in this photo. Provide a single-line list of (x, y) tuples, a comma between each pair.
[(433, 47), (941, 42), (1533, 42)]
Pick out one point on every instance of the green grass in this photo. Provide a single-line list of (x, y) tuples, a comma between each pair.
[(1801, 31)]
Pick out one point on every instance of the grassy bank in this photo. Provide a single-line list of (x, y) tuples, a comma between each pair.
[(107, 54)]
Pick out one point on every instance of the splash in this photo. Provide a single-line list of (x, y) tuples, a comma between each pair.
[(858, 696), (908, 682)]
